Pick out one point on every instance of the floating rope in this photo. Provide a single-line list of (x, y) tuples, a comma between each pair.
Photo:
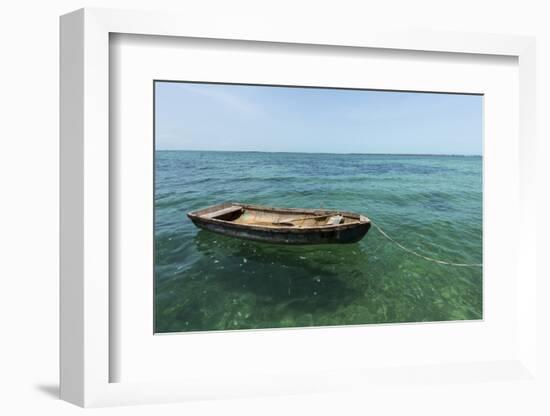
[(408, 250)]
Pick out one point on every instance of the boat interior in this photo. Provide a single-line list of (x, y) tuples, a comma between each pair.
[(273, 218)]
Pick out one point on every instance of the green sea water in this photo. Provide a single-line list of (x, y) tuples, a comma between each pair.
[(430, 204)]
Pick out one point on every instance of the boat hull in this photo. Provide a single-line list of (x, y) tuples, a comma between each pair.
[(340, 234)]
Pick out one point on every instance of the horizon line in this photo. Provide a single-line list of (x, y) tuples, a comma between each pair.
[(323, 153)]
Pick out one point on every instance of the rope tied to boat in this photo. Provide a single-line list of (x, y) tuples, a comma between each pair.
[(408, 250)]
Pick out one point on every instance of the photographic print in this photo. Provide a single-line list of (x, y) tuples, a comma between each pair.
[(291, 206)]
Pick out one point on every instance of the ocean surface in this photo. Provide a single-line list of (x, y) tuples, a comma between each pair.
[(429, 204)]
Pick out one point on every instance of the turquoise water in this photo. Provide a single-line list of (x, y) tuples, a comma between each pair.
[(431, 204)]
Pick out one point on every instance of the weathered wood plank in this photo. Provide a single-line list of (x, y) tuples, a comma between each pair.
[(222, 212)]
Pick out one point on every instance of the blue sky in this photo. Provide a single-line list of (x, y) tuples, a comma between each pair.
[(191, 116)]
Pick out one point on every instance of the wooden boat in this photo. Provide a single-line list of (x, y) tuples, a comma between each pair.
[(282, 225)]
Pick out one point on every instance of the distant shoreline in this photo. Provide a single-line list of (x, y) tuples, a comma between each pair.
[(321, 153)]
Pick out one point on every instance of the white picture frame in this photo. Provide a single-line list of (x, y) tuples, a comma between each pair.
[(85, 219)]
